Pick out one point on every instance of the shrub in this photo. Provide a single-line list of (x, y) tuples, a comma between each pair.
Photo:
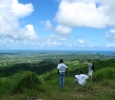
[(104, 73), (4, 85), (24, 80)]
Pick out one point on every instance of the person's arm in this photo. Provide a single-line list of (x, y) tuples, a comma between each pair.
[(66, 70), (75, 77), (57, 71)]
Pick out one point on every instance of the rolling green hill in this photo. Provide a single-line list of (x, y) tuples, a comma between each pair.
[(39, 81)]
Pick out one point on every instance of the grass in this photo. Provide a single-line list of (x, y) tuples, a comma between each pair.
[(105, 73), (94, 90), (27, 85), (50, 91)]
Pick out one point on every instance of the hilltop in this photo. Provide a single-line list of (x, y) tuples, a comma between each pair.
[(39, 81)]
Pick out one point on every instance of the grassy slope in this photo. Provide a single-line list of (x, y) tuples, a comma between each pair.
[(97, 90)]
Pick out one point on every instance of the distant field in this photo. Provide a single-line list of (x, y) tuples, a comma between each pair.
[(39, 56)]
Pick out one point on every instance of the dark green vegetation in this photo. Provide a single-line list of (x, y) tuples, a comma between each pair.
[(34, 77)]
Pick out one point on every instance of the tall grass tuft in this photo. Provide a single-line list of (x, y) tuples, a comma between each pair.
[(105, 73), (24, 80), (4, 85)]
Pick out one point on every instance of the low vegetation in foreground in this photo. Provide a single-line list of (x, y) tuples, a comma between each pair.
[(30, 82)]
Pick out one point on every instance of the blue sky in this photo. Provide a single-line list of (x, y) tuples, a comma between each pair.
[(57, 24)]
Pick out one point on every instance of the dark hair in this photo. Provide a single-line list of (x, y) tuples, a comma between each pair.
[(81, 72), (61, 61)]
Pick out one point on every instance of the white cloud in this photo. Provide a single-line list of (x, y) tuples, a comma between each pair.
[(58, 37), (81, 41), (94, 45), (63, 30), (61, 33), (30, 33), (110, 34), (112, 30), (21, 10), (86, 13), (10, 11), (110, 45), (48, 43), (47, 24)]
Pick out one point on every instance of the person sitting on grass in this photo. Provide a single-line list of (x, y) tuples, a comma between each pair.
[(81, 78)]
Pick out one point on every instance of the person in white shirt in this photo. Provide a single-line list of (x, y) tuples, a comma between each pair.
[(81, 78), (90, 71), (61, 70)]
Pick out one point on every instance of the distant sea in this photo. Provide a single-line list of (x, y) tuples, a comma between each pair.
[(63, 51)]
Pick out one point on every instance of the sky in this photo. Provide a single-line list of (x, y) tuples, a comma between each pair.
[(57, 25)]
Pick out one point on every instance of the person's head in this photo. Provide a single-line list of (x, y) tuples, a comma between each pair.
[(89, 61), (81, 72), (61, 61)]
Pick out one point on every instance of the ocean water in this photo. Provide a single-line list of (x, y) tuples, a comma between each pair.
[(49, 51)]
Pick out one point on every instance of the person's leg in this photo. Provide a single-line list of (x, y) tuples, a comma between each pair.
[(63, 78), (90, 77), (59, 79), (75, 81)]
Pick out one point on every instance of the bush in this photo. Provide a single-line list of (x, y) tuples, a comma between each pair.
[(104, 73), (4, 85), (24, 80)]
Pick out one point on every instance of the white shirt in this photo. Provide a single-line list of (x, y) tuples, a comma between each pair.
[(62, 67), (82, 78), (90, 65)]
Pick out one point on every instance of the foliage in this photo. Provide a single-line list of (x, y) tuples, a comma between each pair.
[(102, 63), (39, 68), (24, 80), (4, 85), (39, 79), (105, 73)]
